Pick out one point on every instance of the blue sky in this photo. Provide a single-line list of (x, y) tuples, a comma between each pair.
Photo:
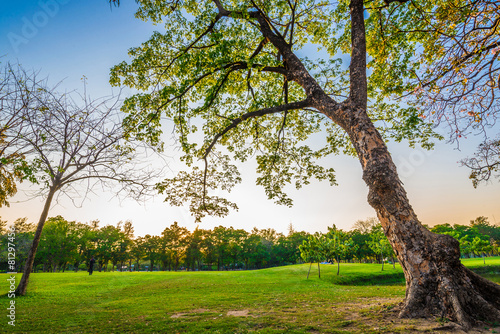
[(69, 39)]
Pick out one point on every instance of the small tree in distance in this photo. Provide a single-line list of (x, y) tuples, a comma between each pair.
[(311, 251), (75, 147), (379, 243), (365, 226), (338, 246)]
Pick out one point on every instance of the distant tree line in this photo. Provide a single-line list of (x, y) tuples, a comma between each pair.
[(480, 238), (69, 245), (367, 242)]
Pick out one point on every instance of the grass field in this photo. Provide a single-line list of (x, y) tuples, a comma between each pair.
[(278, 300)]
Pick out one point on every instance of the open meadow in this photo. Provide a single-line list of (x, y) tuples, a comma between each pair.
[(278, 300)]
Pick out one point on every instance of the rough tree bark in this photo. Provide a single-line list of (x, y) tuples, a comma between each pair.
[(436, 282)]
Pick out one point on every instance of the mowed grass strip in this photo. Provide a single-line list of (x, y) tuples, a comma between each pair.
[(361, 299)]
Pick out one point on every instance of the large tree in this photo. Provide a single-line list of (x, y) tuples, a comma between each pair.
[(237, 69)]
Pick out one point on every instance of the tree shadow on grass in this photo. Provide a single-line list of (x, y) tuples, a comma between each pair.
[(395, 278), (382, 278)]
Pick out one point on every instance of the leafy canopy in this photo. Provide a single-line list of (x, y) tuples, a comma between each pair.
[(211, 70)]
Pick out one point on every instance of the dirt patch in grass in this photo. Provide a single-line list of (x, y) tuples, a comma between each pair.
[(185, 314), (242, 313), (364, 309), (235, 313)]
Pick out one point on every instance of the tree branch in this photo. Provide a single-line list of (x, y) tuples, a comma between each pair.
[(235, 122), (232, 67), (266, 111), (357, 68)]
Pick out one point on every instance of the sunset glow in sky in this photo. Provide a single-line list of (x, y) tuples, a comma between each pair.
[(69, 39)]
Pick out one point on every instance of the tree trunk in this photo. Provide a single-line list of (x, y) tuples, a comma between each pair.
[(319, 271), (23, 284), (382, 258), (310, 265), (437, 284)]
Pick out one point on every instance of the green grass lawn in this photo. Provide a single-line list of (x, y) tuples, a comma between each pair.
[(278, 300)]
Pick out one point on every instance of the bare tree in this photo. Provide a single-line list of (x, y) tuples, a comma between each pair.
[(77, 146), (365, 226)]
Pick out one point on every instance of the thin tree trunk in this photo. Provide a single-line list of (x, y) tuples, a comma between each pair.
[(338, 267), (310, 265), (382, 259), (319, 271), (23, 283)]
